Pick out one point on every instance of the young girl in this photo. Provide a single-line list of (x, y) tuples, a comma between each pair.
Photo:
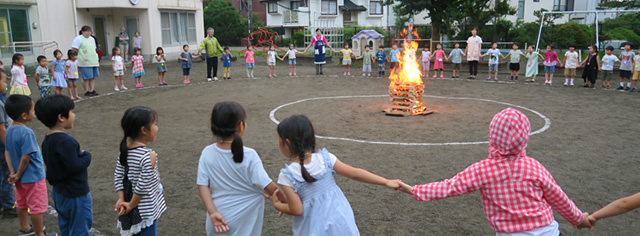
[(137, 41), (18, 77), (318, 42), (161, 68), (71, 72), (317, 204), (532, 64), (426, 61), (346, 59), (271, 61), (226, 63), (250, 61), (57, 71), (518, 193), (117, 63), (42, 77), (185, 63), (137, 67), (438, 64), (550, 62), (137, 181), (231, 178), (590, 72), (292, 59)]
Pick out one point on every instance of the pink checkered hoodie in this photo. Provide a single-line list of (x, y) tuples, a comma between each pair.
[(518, 193)]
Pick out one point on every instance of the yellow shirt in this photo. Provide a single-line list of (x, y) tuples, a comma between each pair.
[(346, 54)]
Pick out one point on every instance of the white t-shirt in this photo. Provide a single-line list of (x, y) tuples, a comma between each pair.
[(608, 61), (572, 60), (494, 56), (272, 56), (551, 229), (292, 54), (117, 62), (315, 167), (425, 56), (161, 60)]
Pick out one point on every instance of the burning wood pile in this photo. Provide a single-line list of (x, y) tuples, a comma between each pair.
[(406, 88)]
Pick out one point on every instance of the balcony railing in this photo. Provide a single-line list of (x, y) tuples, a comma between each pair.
[(290, 17)]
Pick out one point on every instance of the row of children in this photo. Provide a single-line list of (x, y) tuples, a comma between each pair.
[(61, 74)]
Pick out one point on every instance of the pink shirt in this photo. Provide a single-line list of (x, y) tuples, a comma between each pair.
[(249, 57), (313, 40), (550, 58), (474, 45), (518, 193)]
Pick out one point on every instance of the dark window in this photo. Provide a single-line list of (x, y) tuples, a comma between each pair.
[(329, 7)]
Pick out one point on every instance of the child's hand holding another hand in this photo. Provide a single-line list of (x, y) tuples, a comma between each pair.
[(405, 187), (587, 222)]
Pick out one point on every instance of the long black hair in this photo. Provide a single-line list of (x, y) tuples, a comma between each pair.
[(225, 118), (302, 139), (134, 119)]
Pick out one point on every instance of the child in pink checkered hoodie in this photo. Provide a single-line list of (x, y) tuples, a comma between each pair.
[(518, 193)]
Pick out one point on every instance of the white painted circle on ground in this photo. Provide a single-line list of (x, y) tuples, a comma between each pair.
[(547, 121)]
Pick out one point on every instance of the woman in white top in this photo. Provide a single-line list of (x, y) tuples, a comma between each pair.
[(473, 51)]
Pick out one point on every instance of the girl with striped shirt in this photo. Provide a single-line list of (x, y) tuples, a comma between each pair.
[(137, 181)]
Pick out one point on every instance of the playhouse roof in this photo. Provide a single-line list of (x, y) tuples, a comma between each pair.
[(370, 34)]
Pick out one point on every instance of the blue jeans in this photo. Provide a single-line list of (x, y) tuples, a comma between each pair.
[(75, 215), (149, 231), (7, 195)]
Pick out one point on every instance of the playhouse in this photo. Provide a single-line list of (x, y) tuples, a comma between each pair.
[(366, 37)]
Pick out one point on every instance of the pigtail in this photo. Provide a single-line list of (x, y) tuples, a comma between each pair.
[(303, 170), (237, 148), (124, 152)]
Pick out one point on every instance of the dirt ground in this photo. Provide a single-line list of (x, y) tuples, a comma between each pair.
[(591, 147)]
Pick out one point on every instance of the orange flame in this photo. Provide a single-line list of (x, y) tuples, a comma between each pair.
[(408, 72)]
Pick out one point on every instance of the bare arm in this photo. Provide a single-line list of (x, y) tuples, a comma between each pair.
[(24, 162), (37, 78), (362, 175), (294, 204), (7, 158), (618, 207), (53, 73)]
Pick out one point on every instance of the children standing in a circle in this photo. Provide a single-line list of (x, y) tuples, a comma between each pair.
[(550, 62), (226, 64), (185, 63), (394, 54), (590, 72), (570, 63), (57, 70), (438, 63), (426, 61), (457, 55), (71, 71), (494, 60), (319, 42), (381, 58), (514, 63), (42, 78), (346, 59), (117, 63), (18, 77), (271, 61), (292, 59), (532, 64), (473, 50), (250, 61), (137, 67), (161, 68)]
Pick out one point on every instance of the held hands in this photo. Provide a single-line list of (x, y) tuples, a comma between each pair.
[(274, 200), (119, 207), (405, 187), (13, 178), (587, 222)]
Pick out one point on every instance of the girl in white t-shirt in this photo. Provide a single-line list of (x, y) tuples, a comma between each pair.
[(292, 59), (117, 63), (426, 54), (271, 61)]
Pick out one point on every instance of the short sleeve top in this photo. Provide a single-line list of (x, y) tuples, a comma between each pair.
[(366, 58), (117, 62), (381, 56), (626, 60), (346, 54), (608, 61), (227, 60), (292, 53), (249, 57), (426, 55), (571, 60), (58, 65), (456, 54), (20, 140), (73, 69), (494, 56), (272, 56), (394, 55), (315, 167), (43, 75), (515, 56), (550, 58), (474, 46), (186, 64)]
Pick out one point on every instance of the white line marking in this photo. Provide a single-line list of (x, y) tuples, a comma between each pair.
[(547, 121)]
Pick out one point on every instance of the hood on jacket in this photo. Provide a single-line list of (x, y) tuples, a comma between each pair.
[(509, 134)]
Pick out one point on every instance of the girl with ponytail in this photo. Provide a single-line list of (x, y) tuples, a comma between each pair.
[(231, 178), (318, 205), (137, 181)]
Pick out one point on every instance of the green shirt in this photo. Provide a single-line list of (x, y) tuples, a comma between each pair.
[(212, 45), (366, 58)]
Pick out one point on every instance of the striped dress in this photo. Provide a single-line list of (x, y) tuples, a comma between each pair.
[(140, 178)]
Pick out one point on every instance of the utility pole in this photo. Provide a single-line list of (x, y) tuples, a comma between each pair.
[(250, 14)]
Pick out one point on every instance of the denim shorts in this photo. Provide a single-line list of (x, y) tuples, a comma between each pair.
[(292, 61), (550, 69), (251, 65), (89, 72)]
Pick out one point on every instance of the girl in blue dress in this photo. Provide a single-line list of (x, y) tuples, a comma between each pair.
[(319, 42), (317, 204)]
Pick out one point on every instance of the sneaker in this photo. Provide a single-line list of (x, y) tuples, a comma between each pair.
[(627, 89), (363, 74), (344, 73), (511, 78), (229, 78), (369, 75), (50, 234), (434, 76), (566, 84), (186, 82), (294, 74), (94, 93), (586, 86), (632, 90), (442, 76), (139, 86), (116, 89), (572, 85), (348, 73), (208, 80), (471, 77), (123, 87), (496, 78), (215, 78), (516, 77), (489, 78), (620, 88), (290, 74), (87, 94)]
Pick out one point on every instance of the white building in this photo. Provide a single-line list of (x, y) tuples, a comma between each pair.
[(526, 9), (52, 24)]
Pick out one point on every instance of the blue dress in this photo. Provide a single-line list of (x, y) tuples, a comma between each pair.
[(58, 69), (186, 64), (326, 210)]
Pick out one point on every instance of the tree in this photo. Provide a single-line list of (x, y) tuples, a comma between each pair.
[(548, 18), (580, 35), (626, 4), (623, 34), (437, 10), (224, 18)]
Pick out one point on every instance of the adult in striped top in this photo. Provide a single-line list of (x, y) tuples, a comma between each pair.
[(518, 193), (137, 181)]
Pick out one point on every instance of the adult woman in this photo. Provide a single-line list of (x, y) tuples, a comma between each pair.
[(88, 64), (473, 50), (123, 39), (319, 42)]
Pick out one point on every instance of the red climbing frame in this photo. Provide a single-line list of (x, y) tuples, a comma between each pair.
[(265, 40)]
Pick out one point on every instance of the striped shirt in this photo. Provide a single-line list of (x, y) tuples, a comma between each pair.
[(145, 181)]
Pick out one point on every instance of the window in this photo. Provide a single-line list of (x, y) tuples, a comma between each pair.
[(294, 5), (346, 16), (375, 7), (329, 7), (521, 9), (14, 27), (272, 7), (536, 0), (178, 28)]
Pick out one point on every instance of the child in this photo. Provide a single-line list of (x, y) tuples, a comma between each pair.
[(626, 57), (550, 62), (226, 57), (319, 42), (494, 60), (18, 77), (249, 60), (117, 63), (42, 78), (590, 72), (292, 59), (394, 54), (137, 67), (367, 58), (137, 180), (71, 72), (518, 192), (231, 177), (271, 61), (570, 63), (636, 69), (457, 55), (137, 40), (186, 63), (161, 68), (426, 61), (438, 63), (26, 167), (317, 204), (346, 59), (608, 62), (57, 72), (532, 64), (66, 166), (514, 63), (7, 196), (381, 58)]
